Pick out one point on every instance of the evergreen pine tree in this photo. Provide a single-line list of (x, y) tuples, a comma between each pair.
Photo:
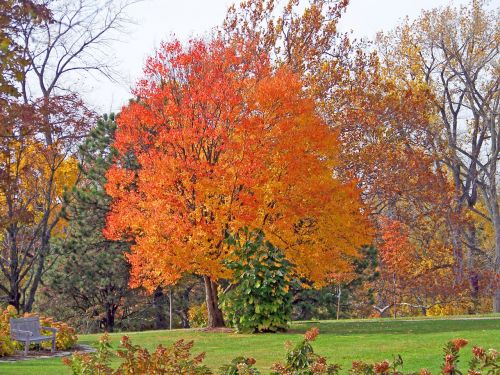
[(91, 274)]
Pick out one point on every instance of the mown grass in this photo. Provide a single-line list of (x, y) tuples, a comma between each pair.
[(419, 341)]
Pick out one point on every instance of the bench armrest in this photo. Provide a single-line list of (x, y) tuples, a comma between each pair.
[(20, 334), (52, 329)]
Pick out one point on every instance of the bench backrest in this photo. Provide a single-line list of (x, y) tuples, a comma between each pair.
[(26, 324)]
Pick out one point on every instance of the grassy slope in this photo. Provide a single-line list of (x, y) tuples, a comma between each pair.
[(418, 341)]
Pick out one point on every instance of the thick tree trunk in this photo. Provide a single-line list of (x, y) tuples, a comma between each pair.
[(14, 297), (109, 319), (215, 317)]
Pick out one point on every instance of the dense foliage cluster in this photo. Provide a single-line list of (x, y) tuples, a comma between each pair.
[(259, 299)]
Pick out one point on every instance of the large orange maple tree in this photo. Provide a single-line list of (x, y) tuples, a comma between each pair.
[(216, 141)]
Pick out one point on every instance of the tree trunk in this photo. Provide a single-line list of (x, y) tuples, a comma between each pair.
[(170, 308), (496, 300), (158, 305), (215, 318), (458, 264), (394, 302), (183, 314), (183, 307), (339, 294), (109, 319), (471, 268), (496, 270), (14, 298), (495, 213), (490, 193)]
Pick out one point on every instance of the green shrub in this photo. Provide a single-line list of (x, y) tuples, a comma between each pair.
[(259, 299), (198, 316), (172, 360)]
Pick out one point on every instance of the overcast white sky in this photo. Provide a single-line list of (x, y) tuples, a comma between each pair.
[(157, 20)]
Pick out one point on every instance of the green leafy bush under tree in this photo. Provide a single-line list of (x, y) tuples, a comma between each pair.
[(259, 298)]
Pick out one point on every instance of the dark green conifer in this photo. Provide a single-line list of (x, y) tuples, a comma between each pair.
[(91, 273)]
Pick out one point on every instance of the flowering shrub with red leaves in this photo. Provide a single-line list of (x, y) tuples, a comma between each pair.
[(173, 360), (97, 363), (483, 362), (379, 368), (240, 366), (301, 359)]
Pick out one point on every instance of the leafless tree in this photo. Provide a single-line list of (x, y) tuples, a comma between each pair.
[(73, 43)]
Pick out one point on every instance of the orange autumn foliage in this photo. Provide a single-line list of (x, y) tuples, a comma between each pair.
[(213, 144), (396, 250)]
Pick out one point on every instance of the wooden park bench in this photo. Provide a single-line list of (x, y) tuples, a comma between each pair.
[(28, 331)]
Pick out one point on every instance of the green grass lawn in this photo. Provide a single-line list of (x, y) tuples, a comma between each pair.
[(419, 341)]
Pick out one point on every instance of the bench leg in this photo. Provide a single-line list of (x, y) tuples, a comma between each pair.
[(53, 349), (26, 347)]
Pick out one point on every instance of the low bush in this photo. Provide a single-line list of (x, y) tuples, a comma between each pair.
[(301, 360), (259, 298), (7, 347), (66, 336), (98, 363), (198, 316), (240, 366), (172, 360)]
